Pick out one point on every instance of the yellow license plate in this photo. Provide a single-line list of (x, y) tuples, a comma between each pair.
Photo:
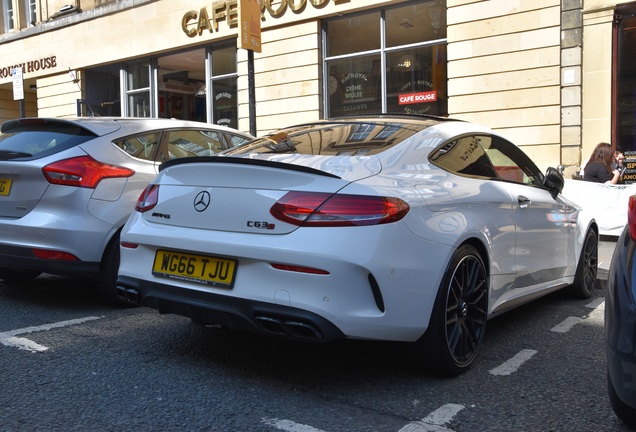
[(204, 269), (5, 186)]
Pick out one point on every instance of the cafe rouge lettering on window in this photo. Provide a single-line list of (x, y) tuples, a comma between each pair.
[(194, 23)]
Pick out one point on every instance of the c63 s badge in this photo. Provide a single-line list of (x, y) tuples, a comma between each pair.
[(261, 225)]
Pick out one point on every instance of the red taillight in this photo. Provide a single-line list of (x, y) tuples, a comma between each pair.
[(148, 198), (83, 171), (54, 255), (327, 210), (631, 216)]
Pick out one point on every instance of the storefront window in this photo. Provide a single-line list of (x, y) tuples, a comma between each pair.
[(625, 81), (223, 83), (139, 105), (354, 86), (138, 90), (354, 34), (393, 60), (181, 85)]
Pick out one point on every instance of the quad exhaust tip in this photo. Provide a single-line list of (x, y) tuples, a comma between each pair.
[(288, 328)]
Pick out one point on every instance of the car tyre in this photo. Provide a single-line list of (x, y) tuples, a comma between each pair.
[(18, 276), (106, 280), (587, 268), (623, 411), (458, 321)]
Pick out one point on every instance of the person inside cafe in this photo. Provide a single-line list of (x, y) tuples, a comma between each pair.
[(618, 161), (599, 167)]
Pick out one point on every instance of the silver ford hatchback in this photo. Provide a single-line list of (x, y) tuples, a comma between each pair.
[(67, 186)]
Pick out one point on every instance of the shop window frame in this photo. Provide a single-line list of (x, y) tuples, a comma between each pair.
[(211, 79), (383, 52)]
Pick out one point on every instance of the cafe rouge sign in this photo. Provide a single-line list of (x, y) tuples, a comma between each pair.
[(194, 23)]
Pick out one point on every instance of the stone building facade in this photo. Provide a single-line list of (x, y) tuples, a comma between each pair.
[(554, 76)]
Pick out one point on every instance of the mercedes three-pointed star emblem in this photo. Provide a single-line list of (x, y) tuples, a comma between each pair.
[(202, 201)]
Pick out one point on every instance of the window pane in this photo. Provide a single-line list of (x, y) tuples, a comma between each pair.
[(224, 102), (224, 60), (417, 80), (353, 34), (138, 76), (186, 143), (625, 84), (464, 156), (354, 86), (139, 105), (236, 140), (7, 6), (31, 14), (415, 23), (511, 163), (38, 139), (142, 146)]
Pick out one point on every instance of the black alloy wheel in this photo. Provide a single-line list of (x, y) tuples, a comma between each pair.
[(458, 322), (587, 268)]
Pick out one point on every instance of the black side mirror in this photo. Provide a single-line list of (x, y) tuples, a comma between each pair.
[(553, 181)]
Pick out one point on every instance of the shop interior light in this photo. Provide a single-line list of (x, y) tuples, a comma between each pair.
[(407, 63)]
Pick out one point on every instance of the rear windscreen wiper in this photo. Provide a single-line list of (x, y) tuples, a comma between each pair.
[(9, 154)]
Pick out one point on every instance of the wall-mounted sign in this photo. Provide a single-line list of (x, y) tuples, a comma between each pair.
[(416, 98), (249, 35), (18, 84), (29, 66), (194, 23), (629, 175)]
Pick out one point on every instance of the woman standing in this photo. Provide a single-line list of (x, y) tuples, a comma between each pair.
[(599, 168)]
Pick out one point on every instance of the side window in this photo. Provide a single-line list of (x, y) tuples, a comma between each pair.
[(236, 140), (511, 164), (187, 143), (140, 146), (464, 156)]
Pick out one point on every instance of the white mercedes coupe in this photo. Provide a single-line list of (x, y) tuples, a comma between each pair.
[(390, 227)]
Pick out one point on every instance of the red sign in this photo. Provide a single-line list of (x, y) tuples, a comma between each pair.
[(415, 98)]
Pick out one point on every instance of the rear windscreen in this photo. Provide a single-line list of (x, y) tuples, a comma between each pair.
[(334, 138), (40, 140)]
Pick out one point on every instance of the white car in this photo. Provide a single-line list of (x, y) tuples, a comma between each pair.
[(67, 186), (397, 228)]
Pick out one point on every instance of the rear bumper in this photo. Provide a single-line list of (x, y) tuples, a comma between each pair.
[(21, 258), (229, 312)]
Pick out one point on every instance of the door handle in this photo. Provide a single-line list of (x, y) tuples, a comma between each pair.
[(523, 201)]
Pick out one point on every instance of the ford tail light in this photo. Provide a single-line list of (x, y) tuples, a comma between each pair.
[(83, 171)]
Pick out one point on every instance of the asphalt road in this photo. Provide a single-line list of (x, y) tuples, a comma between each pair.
[(70, 363)]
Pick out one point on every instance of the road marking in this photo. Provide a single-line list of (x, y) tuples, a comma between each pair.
[(431, 423), (9, 338), (289, 426), (596, 303), (514, 363), (566, 325), (435, 421)]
